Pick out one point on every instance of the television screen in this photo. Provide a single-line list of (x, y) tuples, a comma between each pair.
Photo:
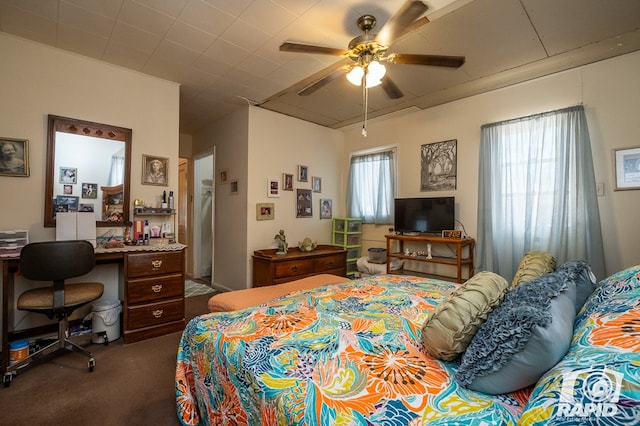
[(424, 215)]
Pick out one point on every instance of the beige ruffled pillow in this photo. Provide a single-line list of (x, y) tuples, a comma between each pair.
[(450, 327), (534, 264)]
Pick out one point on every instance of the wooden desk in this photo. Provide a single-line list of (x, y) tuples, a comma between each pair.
[(153, 302)]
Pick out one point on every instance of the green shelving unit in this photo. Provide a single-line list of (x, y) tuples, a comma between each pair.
[(347, 233)]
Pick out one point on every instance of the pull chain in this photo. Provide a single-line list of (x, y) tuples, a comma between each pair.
[(365, 102)]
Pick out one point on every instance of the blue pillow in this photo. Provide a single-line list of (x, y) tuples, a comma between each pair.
[(585, 282), (526, 335)]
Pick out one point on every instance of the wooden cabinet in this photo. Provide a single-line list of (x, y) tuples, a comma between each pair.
[(461, 258), (270, 268), (153, 294)]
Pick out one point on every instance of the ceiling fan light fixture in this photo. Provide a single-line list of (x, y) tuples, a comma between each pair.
[(355, 75)]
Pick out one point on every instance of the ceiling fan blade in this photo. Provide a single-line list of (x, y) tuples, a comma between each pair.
[(433, 60), (390, 88), (322, 81), (289, 46), (409, 12)]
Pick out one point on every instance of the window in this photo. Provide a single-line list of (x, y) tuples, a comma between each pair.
[(537, 192), (371, 185)]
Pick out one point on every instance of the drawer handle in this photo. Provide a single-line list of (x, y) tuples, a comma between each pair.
[(294, 268), (156, 263), (157, 313), (156, 288)]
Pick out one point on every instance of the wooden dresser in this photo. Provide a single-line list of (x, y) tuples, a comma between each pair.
[(270, 268), (153, 294)]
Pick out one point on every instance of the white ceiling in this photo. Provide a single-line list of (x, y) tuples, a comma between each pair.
[(225, 52)]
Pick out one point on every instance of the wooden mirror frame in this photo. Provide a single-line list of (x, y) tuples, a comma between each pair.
[(86, 128)]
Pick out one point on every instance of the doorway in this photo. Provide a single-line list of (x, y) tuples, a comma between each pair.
[(203, 208)]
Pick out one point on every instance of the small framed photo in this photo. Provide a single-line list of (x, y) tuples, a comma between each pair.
[(89, 190), (273, 188), (69, 202), (155, 170), (326, 208), (222, 177), (233, 186), (287, 182), (316, 184), (303, 174), (88, 207), (265, 211), (626, 163), (303, 203), (67, 189), (14, 157), (68, 175)]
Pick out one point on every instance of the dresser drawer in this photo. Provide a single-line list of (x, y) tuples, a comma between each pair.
[(157, 263), (293, 268), (155, 313), (329, 262), (154, 289)]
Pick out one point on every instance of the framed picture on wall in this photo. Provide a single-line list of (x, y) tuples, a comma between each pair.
[(89, 190), (326, 208), (273, 188), (155, 170), (14, 157), (627, 168), (303, 174), (303, 203), (316, 184), (68, 175), (265, 211), (233, 187), (287, 182)]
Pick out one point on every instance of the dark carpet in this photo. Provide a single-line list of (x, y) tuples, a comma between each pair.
[(132, 384)]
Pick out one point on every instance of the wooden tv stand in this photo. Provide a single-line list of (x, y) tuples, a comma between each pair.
[(458, 261)]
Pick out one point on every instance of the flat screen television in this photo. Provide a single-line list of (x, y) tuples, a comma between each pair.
[(424, 215)]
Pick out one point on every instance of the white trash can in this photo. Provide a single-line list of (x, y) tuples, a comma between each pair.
[(105, 316)]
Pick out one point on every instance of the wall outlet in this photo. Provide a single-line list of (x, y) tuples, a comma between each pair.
[(600, 189)]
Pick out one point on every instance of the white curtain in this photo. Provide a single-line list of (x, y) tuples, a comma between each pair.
[(537, 191), (370, 189), (116, 171)]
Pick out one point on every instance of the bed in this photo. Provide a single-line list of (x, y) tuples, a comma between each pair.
[(364, 353), (347, 353)]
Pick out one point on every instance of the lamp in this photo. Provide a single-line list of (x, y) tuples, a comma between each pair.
[(374, 71)]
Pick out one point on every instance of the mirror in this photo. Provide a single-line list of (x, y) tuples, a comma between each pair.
[(88, 169)]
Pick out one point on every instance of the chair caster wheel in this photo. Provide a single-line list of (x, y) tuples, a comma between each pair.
[(105, 340), (6, 379), (92, 364)]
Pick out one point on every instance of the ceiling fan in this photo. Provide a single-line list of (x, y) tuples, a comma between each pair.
[(366, 52)]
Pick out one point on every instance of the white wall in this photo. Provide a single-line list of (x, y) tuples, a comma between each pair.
[(610, 93), (253, 145), (277, 145), (37, 80)]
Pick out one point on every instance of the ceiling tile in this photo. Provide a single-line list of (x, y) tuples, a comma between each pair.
[(278, 17), (84, 20), (190, 37), (205, 17), (31, 26), (168, 7), (125, 55), (127, 35), (106, 8), (244, 35), (145, 18), (81, 42), (227, 53), (233, 8)]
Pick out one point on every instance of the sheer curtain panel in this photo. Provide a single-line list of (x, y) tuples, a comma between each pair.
[(370, 189), (537, 191)]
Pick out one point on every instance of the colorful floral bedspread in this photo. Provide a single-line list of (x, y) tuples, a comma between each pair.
[(344, 354), (598, 380)]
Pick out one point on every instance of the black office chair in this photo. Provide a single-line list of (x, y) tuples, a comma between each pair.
[(56, 261)]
